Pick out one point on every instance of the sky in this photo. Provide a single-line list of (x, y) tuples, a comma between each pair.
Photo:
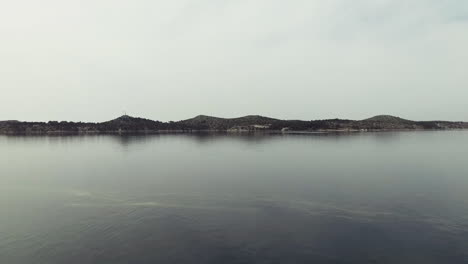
[(93, 60)]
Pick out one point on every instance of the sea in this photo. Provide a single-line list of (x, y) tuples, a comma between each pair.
[(217, 198)]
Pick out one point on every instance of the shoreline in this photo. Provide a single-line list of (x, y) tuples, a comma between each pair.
[(227, 132), (208, 124)]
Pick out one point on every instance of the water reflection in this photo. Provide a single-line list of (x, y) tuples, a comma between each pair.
[(390, 197), (202, 137)]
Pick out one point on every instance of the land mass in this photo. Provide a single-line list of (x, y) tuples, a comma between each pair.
[(128, 124)]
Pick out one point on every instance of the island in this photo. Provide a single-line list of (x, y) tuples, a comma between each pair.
[(250, 123)]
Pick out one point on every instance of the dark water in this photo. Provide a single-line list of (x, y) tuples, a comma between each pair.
[(359, 198)]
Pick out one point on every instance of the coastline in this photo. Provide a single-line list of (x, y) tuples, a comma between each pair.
[(226, 132), (208, 124)]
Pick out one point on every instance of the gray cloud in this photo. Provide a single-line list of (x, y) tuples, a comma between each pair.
[(169, 60)]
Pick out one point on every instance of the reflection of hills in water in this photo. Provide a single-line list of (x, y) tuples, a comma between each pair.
[(198, 137), (248, 138)]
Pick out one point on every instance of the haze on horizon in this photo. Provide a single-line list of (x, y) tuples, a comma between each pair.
[(170, 60)]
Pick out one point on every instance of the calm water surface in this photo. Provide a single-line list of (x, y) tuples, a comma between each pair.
[(356, 198)]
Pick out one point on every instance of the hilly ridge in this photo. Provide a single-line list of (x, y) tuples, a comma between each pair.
[(129, 124), (203, 122), (387, 118)]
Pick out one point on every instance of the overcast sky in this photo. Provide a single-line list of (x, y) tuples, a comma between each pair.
[(91, 60)]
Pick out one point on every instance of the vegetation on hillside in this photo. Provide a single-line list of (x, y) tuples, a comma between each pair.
[(128, 124)]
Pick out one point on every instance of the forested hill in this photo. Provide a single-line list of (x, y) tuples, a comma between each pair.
[(128, 124), (203, 122)]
